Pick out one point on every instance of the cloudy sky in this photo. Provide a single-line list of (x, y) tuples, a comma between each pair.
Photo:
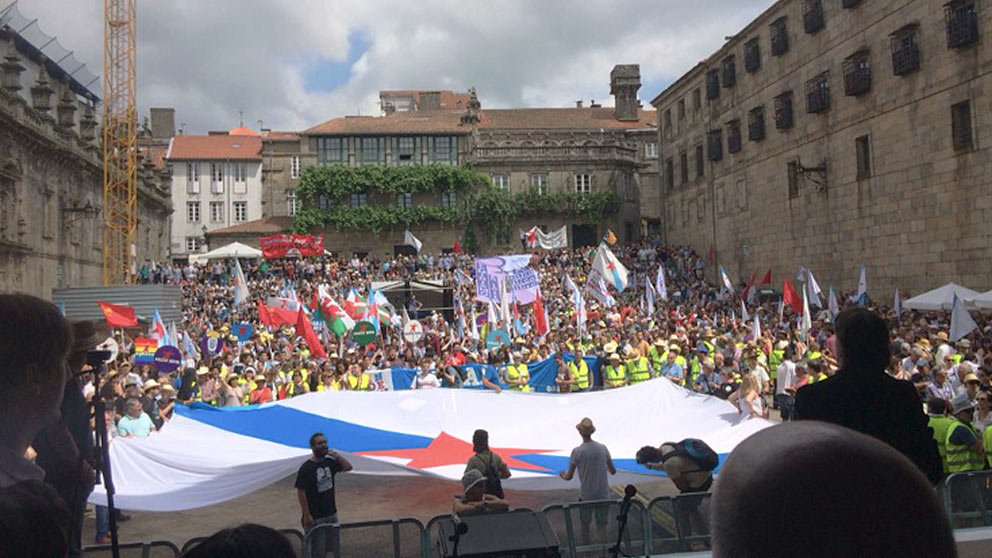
[(296, 63)]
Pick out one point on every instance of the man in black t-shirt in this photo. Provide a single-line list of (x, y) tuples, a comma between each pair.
[(315, 490)]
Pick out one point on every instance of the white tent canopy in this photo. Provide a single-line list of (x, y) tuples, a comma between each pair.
[(942, 298), (984, 300), (229, 251)]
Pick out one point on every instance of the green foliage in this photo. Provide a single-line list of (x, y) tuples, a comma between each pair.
[(483, 210)]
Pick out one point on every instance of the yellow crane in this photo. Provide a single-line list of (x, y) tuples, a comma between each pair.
[(120, 140)]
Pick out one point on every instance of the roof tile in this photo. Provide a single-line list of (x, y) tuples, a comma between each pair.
[(214, 147)]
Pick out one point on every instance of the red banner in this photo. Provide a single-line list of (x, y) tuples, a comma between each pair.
[(291, 246)]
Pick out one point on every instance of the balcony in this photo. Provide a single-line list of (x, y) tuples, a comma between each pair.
[(905, 54), (783, 111), (857, 74), (734, 136), (729, 67), (752, 56), (817, 100), (612, 152), (714, 146), (812, 16), (962, 23), (712, 85)]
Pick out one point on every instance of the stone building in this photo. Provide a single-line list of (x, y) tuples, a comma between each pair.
[(582, 149), (412, 100), (51, 169), (831, 134), (216, 183)]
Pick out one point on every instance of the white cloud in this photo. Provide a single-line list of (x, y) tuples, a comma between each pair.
[(211, 59)]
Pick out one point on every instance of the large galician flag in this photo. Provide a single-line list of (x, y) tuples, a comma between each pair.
[(207, 455)]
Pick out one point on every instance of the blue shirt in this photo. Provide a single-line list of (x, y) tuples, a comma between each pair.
[(139, 427), (672, 370)]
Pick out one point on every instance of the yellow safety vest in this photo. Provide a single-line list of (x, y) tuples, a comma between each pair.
[(960, 458), (987, 440), (956, 358), (518, 373), (353, 382), (657, 358), (940, 426), (639, 371), (615, 376), (580, 373), (710, 348)]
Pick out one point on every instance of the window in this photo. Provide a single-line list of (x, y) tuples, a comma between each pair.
[(905, 50), (449, 198), (818, 94), (404, 200), (793, 179), (193, 243), (700, 165), (741, 194), (294, 166), (216, 178), (849, 3), (962, 23), (857, 73), (697, 102), (733, 136), (583, 183), (684, 167), (240, 170), (332, 151), (752, 56), (783, 111), (729, 67), (501, 181), (406, 151), (712, 85), (359, 199), (780, 37), (193, 212), (216, 212), (668, 122), (651, 150), (292, 203), (371, 151), (240, 211), (669, 174), (812, 15), (961, 125), (539, 182), (629, 189), (756, 124), (192, 178), (714, 145), (863, 152), (443, 150), (324, 202), (681, 110)]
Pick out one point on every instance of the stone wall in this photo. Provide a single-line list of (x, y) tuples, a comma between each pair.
[(917, 215)]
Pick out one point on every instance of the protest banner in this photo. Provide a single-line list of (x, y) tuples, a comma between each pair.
[(144, 350), (291, 246)]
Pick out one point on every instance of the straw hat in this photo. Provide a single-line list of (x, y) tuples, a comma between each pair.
[(585, 426), (614, 357), (150, 384), (610, 347)]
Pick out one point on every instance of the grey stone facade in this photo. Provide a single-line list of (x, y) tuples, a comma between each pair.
[(884, 160), (51, 183)]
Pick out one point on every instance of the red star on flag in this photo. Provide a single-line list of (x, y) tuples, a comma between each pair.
[(448, 450)]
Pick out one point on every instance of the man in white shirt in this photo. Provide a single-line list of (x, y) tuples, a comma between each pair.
[(425, 378)]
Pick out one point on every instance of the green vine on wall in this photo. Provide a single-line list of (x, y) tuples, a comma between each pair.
[(483, 210)]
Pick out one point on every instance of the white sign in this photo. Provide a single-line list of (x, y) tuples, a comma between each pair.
[(413, 331)]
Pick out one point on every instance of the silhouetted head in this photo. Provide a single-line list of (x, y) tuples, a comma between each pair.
[(248, 540), (863, 341), (859, 493), (480, 441)]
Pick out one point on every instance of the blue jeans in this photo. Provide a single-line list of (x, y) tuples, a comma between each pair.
[(102, 521), (318, 542)]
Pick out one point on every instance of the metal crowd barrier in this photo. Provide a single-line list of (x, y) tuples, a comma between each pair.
[(405, 537), (679, 523), (580, 527), (161, 549), (431, 532), (968, 499)]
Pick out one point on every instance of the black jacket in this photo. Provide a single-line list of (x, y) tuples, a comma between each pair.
[(878, 405)]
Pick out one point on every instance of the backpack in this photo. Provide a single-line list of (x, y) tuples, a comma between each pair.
[(698, 451), (494, 485)]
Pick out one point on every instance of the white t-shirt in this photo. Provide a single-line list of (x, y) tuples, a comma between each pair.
[(425, 381), (761, 375), (785, 376)]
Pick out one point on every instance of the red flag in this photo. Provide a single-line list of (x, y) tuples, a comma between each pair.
[(747, 288), (118, 315), (711, 255), (790, 297), (264, 316), (768, 278), (458, 247), (540, 318), (305, 330)]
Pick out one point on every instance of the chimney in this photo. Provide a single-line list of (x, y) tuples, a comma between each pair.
[(163, 122), (625, 80), (578, 104)]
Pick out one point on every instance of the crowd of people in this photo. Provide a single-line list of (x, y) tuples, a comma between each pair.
[(695, 335)]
